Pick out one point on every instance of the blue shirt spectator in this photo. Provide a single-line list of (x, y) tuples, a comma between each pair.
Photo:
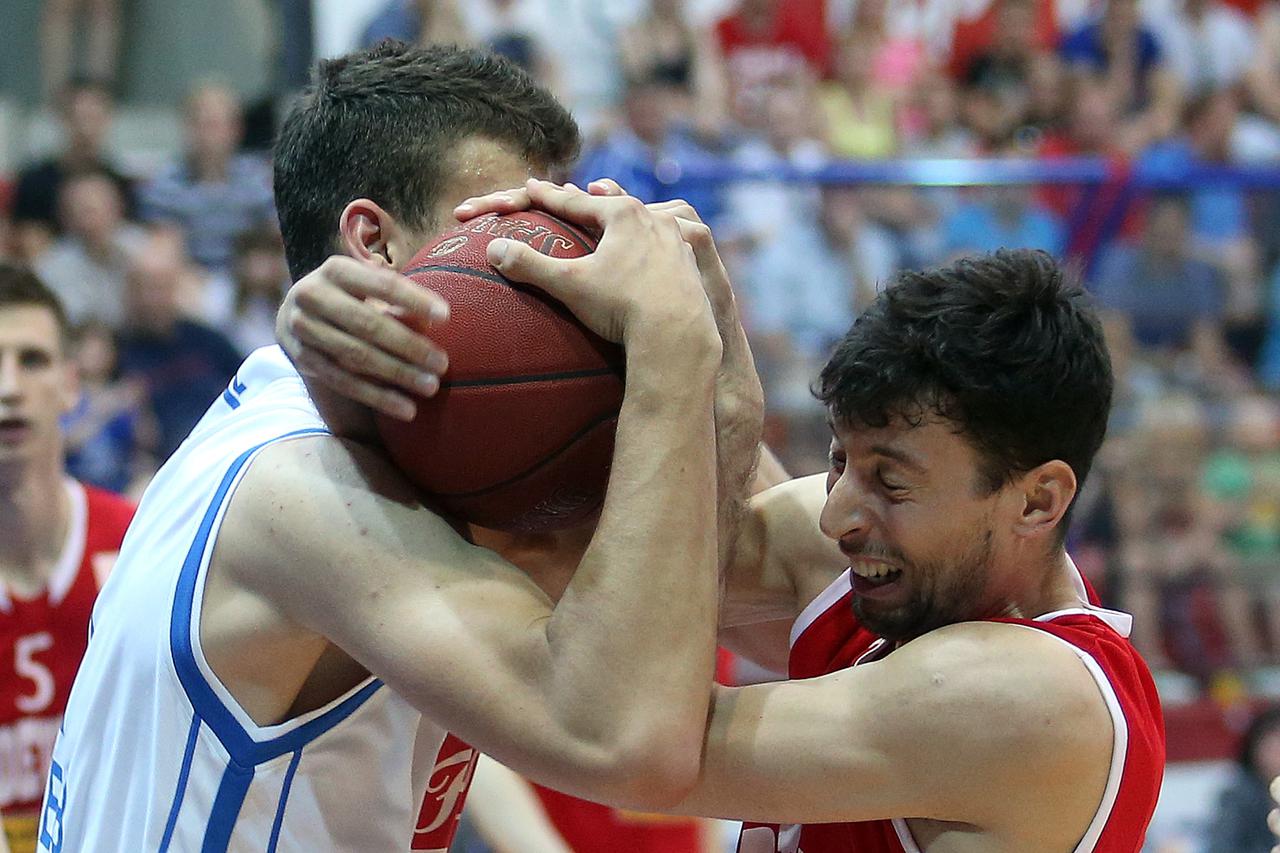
[(1164, 298), (1008, 221), (184, 370), (648, 153), (211, 213), (1086, 47), (212, 193)]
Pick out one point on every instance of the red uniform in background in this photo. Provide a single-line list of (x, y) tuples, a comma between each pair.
[(828, 637), (42, 641)]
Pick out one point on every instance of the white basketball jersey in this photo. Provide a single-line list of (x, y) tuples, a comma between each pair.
[(155, 754)]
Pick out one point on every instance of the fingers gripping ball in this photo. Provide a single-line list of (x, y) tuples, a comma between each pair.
[(520, 436)]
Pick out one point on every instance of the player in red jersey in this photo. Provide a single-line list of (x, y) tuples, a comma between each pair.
[(955, 686), (58, 539)]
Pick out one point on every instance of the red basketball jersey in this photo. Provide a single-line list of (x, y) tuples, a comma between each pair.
[(828, 637), (42, 641), (592, 828)]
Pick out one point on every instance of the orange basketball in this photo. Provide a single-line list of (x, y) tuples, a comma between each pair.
[(520, 435)]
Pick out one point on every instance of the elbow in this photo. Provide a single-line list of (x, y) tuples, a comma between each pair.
[(658, 778)]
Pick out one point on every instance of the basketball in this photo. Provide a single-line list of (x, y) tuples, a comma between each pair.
[(520, 435)]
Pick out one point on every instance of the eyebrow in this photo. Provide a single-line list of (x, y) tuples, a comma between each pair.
[(900, 456)]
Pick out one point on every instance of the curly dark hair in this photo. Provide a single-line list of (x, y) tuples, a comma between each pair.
[(380, 124), (1004, 346)]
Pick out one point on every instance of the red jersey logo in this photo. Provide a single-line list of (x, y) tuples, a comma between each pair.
[(446, 793)]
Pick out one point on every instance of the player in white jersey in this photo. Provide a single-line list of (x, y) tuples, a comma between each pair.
[(289, 634)]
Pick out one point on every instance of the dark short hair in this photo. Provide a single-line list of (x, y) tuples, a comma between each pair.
[(380, 124), (19, 286), (1004, 346)]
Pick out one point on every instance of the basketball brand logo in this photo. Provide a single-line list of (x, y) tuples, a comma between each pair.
[(446, 793), (448, 247), (539, 237)]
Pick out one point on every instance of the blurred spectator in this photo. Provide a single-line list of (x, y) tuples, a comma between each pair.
[(109, 432), (1240, 822), (896, 58), (1221, 231), (84, 110), (244, 307), (416, 21), (663, 46), (1243, 478), (516, 29), (1164, 291), (1117, 48), (1263, 77), (212, 194), (933, 128), (764, 42), (184, 364), (1046, 97), (975, 35), (1188, 610), (648, 151), (58, 56), (861, 116), (999, 218), (805, 286), (998, 77), (757, 209), (1208, 44), (86, 266)]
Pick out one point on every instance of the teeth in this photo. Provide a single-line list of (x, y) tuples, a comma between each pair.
[(871, 568)]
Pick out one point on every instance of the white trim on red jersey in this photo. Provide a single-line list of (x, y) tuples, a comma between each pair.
[(820, 603)]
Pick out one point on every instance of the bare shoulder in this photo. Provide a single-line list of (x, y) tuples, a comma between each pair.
[(319, 505), (1034, 679), (1019, 708)]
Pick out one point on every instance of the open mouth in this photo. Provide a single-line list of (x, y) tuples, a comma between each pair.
[(873, 578)]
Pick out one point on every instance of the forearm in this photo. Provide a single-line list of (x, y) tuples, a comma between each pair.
[(638, 681)]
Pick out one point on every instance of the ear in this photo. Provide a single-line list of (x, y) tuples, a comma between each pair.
[(366, 231), (1046, 493)]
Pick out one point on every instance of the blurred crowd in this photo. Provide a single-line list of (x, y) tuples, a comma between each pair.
[(172, 276)]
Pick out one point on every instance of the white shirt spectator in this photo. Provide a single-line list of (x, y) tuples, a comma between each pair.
[(91, 287), (1208, 53)]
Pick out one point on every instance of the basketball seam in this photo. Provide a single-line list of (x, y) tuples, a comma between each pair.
[(546, 460), (487, 276), (531, 378)]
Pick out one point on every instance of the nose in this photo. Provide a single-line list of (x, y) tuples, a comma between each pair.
[(845, 512)]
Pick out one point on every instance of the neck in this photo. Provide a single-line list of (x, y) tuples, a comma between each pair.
[(34, 514), (1054, 592)]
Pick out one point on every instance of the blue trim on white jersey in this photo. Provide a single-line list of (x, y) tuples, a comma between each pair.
[(284, 798), (226, 808), (181, 790), (243, 749)]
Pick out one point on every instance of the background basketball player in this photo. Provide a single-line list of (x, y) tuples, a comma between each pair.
[(58, 539)]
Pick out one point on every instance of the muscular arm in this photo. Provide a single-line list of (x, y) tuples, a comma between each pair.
[(607, 693), (971, 723)]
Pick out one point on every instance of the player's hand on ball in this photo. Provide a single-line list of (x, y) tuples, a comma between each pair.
[(642, 278), (340, 326)]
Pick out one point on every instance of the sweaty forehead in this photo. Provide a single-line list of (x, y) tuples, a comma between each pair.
[(478, 165)]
